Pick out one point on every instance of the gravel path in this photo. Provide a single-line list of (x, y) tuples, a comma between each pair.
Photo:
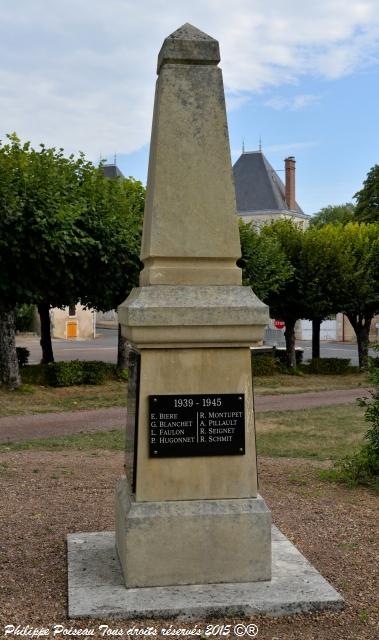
[(42, 425), (46, 495)]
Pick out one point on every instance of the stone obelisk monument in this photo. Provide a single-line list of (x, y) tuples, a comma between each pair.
[(193, 515)]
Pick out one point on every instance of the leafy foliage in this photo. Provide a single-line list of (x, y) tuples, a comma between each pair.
[(263, 365), (114, 223), (74, 372), (328, 366), (363, 466), (280, 357), (67, 233), (24, 316), (333, 214), (265, 265), (367, 209), (321, 271), (41, 241), (358, 253)]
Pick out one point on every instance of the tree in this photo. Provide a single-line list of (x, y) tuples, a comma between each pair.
[(273, 268), (333, 214), (265, 266), (12, 162), (55, 245), (321, 272), (359, 280), (288, 303), (66, 234), (367, 209), (114, 222)]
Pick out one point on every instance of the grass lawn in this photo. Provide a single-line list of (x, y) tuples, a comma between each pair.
[(107, 440), (284, 384), (321, 433), (37, 399), (32, 398)]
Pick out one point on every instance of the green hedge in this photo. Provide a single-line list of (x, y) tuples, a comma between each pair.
[(73, 372), (263, 365), (281, 357), (328, 366)]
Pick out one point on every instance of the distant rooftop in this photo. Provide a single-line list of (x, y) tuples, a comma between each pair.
[(259, 188), (112, 171)]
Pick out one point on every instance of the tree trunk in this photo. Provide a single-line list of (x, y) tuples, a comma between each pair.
[(316, 324), (45, 342), (122, 355), (361, 326), (289, 335), (9, 371)]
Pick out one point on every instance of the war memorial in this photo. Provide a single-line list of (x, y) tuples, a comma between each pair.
[(193, 537)]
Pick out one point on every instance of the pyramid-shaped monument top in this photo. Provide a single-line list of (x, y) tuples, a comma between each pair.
[(188, 45)]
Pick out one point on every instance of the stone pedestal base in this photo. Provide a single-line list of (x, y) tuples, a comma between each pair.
[(192, 541)]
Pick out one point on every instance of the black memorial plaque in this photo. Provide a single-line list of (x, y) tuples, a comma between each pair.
[(197, 425)]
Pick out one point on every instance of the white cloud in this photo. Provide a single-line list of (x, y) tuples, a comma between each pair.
[(295, 103), (289, 147), (80, 73)]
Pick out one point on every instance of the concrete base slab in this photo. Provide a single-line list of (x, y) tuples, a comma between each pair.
[(96, 587), (192, 541)]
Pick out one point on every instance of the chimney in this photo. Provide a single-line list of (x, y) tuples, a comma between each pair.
[(290, 182)]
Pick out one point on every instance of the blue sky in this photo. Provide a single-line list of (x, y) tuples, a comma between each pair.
[(304, 77)]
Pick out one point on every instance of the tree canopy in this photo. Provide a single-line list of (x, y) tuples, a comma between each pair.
[(367, 209), (42, 243), (273, 268), (67, 233), (359, 279), (265, 265), (333, 214)]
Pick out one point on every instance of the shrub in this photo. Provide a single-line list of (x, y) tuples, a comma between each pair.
[(95, 371), (281, 357), (363, 466), (328, 366), (263, 365), (64, 374), (34, 374), (24, 317), (22, 356), (74, 372), (360, 468)]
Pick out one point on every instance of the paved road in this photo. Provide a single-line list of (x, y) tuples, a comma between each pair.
[(104, 347), (43, 425), (332, 350)]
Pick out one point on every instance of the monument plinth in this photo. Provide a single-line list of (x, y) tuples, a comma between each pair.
[(190, 526), (193, 515)]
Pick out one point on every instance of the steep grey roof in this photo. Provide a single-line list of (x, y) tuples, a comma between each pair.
[(258, 186), (112, 171)]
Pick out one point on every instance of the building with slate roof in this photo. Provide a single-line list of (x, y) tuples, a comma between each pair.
[(260, 193), (112, 171)]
